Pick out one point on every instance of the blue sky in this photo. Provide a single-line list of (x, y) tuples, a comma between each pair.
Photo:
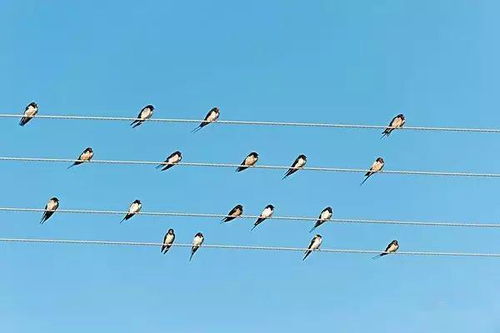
[(320, 61)]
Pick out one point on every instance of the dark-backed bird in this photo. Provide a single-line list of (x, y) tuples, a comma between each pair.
[(145, 113), (266, 213), (170, 161), (396, 122), (298, 164), (314, 245), (50, 208), (168, 240), (135, 207), (324, 216), (211, 116), (249, 161), (391, 248), (29, 112), (376, 167), (197, 241), (233, 213), (85, 156)]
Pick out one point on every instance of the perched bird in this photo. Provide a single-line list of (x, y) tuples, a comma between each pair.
[(85, 156), (376, 167), (314, 245), (211, 116), (197, 241), (266, 213), (50, 208), (233, 213), (170, 161), (249, 161), (135, 207), (297, 164), (168, 240), (144, 115), (391, 248), (396, 122), (29, 112), (325, 215)]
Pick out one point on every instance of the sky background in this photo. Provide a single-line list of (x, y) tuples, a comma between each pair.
[(315, 61)]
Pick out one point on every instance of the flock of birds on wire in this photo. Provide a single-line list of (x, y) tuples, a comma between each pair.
[(146, 113)]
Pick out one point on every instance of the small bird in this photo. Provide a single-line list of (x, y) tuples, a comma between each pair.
[(376, 167), (297, 164), (391, 248), (249, 161), (211, 116), (135, 207), (50, 208), (168, 240), (233, 213), (29, 112), (266, 213), (325, 215), (197, 241), (396, 122), (170, 161), (145, 114), (314, 245), (85, 156)]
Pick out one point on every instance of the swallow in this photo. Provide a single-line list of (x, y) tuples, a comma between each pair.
[(396, 122), (249, 161), (144, 115), (376, 167), (50, 208), (197, 241), (313, 246), (85, 156), (391, 248), (297, 164), (237, 211), (29, 112), (135, 207), (168, 240), (266, 213), (211, 116), (325, 215), (170, 161)]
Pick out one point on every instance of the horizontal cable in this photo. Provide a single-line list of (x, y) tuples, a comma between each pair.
[(275, 167), (282, 218), (244, 247), (265, 123)]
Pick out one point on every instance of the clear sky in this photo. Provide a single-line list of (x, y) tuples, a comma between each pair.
[(319, 61)]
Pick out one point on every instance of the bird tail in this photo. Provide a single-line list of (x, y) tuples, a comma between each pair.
[(364, 180), (192, 254), (197, 129), (136, 123), (159, 165), (308, 252), (44, 218), (255, 225), (313, 228), (23, 121), (72, 165), (288, 173), (166, 167), (125, 218), (239, 169), (380, 255)]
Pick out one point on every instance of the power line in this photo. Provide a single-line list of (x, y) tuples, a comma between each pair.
[(264, 123), (280, 218), (273, 167)]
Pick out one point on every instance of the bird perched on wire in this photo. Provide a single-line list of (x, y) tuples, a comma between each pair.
[(249, 161), (29, 112), (85, 156), (170, 161), (324, 216), (197, 242), (314, 245), (266, 213), (396, 122), (168, 240), (50, 209), (391, 248), (298, 164), (211, 116), (145, 113), (135, 207), (237, 211), (376, 167)]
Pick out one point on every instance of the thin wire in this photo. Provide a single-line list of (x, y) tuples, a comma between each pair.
[(265, 123), (244, 247), (274, 167), (280, 218)]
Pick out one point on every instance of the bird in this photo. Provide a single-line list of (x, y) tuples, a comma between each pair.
[(145, 114), (391, 248), (85, 156), (211, 116), (197, 241), (396, 122), (29, 112), (50, 208), (376, 167), (266, 213), (314, 245), (233, 213), (299, 163), (170, 161), (324, 216), (249, 161), (135, 207), (168, 240)]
